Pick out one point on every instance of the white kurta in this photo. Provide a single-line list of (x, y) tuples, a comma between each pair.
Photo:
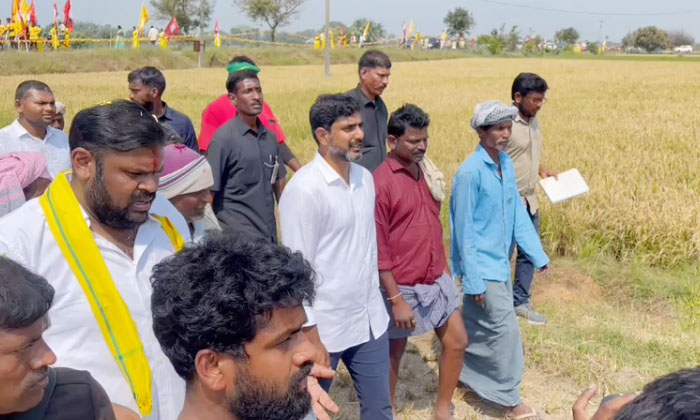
[(332, 224), (74, 334)]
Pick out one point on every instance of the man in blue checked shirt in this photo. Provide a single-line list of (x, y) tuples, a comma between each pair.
[(486, 214)]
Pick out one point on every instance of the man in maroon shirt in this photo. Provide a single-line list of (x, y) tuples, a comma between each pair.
[(222, 111), (420, 294)]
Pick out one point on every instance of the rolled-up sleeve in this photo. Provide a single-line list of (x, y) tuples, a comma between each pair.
[(463, 201), (299, 225)]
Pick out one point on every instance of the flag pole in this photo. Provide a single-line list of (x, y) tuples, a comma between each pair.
[(200, 63), (328, 37)]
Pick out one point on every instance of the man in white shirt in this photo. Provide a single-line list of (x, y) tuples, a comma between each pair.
[(327, 213), (31, 131), (153, 35), (94, 237)]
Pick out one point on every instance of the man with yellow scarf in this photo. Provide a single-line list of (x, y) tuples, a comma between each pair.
[(94, 236)]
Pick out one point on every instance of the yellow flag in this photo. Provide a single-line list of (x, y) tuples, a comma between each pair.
[(410, 29), (366, 32), (143, 20), (444, 35)]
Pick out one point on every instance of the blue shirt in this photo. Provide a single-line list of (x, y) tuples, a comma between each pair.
[(182, 125), (486, 214)]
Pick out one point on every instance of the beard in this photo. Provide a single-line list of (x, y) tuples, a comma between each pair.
[(108, 213), (258, 400), (346, 154)]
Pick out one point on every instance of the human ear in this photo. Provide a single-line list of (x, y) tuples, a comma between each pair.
[(209, 369), (84, 163)]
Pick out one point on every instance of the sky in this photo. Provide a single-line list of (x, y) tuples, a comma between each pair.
[(617, 17)]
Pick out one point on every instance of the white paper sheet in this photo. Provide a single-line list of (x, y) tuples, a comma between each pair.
[(569, 185)]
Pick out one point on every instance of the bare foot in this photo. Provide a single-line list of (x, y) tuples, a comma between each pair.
[(443, 412)]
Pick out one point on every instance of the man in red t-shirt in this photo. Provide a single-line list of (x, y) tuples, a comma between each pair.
[(222, 111), (419, 291)]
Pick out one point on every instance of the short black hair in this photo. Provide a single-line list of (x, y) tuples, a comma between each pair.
[(149, 76), (235, 78), (525, 83), (242, 59), (672, 397), (24, 296), (23, 88), (219, 293), (119, 126), (408, 115), (329, 108), (373, 59)]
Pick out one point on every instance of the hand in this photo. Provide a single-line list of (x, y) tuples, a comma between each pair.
[(480, 299), (545, 173), (320, 400), (403, 314), (123, 413), (607, 411), (546, 270)]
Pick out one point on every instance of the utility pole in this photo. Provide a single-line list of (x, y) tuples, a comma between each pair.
[(328, 38), (200, 64), (600, 31)]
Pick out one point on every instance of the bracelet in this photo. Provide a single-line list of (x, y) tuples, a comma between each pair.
[(394, 297)]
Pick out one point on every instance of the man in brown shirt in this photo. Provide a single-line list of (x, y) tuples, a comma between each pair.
[(525, 149)]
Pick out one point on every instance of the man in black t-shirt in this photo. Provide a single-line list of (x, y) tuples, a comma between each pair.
[(29, 389)]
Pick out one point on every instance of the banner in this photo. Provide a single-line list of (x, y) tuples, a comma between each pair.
[(66, 16), (172, 29), (32, 14), (144, 19)]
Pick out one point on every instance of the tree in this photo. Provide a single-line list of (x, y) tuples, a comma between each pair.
[(376, 30), (187, 12), (567, 36), (274, 13), (651, 38), (678, 38), (629, 40), (459, 21)]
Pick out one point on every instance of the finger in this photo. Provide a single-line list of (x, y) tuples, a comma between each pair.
[(610, 409), (318, 371), (413, 323), (580, 406)]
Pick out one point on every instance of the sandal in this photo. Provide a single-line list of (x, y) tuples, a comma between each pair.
[(531, 415)]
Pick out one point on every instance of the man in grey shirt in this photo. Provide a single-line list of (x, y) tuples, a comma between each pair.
[(374, 69), (248, 175)]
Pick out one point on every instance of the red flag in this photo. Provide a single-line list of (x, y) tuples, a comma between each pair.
[(172, 29), (66, 16), (32, 15), (217, 29), (55, 14)]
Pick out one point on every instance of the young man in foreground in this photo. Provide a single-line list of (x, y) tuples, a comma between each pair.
[(228, 314)]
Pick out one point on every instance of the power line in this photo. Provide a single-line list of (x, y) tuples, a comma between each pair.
[(580, 12)]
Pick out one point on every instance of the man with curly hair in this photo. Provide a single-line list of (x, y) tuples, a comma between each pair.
[(228, 314)]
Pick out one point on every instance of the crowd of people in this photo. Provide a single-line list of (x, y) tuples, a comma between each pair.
[(146, 261)]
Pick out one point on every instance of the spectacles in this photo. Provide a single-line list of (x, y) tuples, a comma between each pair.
[(537, 101)]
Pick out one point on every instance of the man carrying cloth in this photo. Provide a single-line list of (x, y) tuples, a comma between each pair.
[(223, 110), (420, 294), (93, 236), (486, 215)]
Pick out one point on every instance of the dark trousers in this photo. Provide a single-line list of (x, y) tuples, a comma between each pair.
[(368, 364), (524, 270)]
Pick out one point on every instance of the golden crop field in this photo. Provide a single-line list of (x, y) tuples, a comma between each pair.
[(631, 128)]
